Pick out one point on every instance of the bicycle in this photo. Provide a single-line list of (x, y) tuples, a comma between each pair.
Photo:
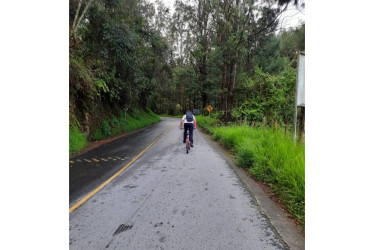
[(188, 143)]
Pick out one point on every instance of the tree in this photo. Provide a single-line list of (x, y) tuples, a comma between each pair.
[(235, 23), (292, 40), (267, 55), (77, 20), (120, 59)]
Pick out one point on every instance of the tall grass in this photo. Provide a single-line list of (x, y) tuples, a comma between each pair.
[(206, 122), (271, 157)]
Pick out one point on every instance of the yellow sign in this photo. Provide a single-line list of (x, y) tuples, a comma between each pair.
[(209, 108)]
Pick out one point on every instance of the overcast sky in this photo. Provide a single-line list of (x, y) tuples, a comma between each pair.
[(292, 17)]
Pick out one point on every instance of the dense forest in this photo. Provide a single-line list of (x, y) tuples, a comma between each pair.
[(131, 56)]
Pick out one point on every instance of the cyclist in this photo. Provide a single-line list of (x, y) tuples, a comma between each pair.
[(189, 122)]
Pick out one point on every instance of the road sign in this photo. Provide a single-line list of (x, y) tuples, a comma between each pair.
[(300, 90), (300, 81), (209, 108)]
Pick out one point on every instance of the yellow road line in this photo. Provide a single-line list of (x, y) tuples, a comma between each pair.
[(84, 199), (95, 159)]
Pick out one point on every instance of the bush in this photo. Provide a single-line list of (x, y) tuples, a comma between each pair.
[(105, 128), (245, 156), (77, 140), (97, 135)]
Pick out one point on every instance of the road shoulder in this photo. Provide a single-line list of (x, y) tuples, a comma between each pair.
[(277, 217)]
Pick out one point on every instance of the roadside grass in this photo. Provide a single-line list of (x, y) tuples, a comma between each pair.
[(206, 122), (130, 122), (77, 140), (270, 156), (112, 127)]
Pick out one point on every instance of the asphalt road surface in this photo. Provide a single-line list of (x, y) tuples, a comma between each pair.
[(166, 199)]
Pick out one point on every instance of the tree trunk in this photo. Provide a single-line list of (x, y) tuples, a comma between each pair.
[(223, 86), (203, 17), (75, 28), (182, 94), (76, 14), (231, 87), (203, 75)]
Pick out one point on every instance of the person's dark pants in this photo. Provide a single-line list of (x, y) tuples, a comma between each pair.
[(189, 127)]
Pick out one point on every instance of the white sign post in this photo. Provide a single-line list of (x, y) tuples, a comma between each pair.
[(300, 87)]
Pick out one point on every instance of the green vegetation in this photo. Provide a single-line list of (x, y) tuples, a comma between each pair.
[(266, 96), (291, 41), (206, 122), (117, 62), (270, 156), (130, 55), (77, 140), (118, 125), (112, 127), (137, 54)]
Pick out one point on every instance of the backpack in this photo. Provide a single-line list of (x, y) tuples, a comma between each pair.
[(189, 116)]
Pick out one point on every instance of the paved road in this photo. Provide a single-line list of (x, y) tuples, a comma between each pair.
[(166, 199)]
